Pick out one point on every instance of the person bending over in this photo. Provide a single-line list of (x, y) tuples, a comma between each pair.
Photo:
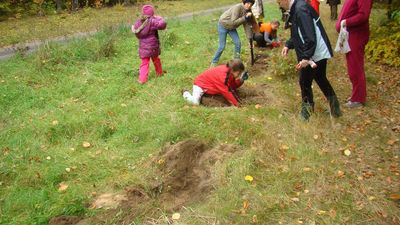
[(220, 80), (268, 36), (230, 20)]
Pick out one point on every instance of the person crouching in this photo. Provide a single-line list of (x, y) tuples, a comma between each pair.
[(220, 80), (268, 36)]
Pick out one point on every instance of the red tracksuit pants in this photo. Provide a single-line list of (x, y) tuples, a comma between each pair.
[(355, 65)]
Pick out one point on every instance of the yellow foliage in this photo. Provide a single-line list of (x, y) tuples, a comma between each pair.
[(384, 45)]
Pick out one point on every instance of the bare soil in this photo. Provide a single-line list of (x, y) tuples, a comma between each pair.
[(185, 177), (65, 220), (186, 170), (248, 95)]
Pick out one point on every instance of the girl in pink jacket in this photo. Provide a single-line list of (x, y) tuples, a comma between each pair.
[(146, 30)]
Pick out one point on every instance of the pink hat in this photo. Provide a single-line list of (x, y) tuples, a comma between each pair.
[(148, 10)]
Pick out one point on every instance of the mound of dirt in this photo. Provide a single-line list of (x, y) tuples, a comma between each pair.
[(186, 171), (255, 94), (65, 220)]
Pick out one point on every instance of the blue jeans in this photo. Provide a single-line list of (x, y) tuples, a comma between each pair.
[(222, 32)]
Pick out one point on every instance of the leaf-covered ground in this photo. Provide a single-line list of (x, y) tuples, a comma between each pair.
[(75, 125)]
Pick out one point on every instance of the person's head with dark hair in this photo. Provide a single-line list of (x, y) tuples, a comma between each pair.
[(248, 1), (236, 67), (248, 4)]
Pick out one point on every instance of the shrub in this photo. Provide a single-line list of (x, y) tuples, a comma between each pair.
[(283, 67), (384, 44), (106, 47), (168, 39)]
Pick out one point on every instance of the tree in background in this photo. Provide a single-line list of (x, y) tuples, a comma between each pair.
[(18, 8)]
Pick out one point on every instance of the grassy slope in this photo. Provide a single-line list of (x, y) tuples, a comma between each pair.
[(15, 31), (96, 99)]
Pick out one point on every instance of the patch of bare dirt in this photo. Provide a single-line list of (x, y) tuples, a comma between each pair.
[(261, 62), (186, 170), (185, 176), (65, 220)]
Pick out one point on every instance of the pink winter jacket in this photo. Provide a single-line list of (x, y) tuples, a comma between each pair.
[(149, 45)]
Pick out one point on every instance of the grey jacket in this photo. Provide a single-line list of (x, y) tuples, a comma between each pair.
[(234, 17)]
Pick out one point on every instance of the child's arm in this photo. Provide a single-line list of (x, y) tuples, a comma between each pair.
[(266, 38), (229, 96), (158, 23)]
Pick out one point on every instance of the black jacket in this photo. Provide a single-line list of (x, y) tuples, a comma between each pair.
[(302, 17)]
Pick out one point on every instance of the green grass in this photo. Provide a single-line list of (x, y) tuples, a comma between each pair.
[(23, 30), (89, 87)]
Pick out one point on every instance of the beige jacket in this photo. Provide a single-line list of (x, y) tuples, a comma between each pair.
[(234, 17)]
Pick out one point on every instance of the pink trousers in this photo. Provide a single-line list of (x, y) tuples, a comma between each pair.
[(355, 66), (144, 68)]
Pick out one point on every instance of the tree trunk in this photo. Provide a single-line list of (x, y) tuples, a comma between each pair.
[(75, 5), (59, 5)]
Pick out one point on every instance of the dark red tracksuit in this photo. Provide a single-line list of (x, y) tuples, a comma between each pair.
[(218, 80), (356, 13)]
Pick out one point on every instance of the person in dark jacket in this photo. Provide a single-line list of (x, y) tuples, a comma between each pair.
[(146, 30), (311, 43), (333, 4)]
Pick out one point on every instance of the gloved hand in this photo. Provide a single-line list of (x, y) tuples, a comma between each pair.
[(244, 76), (247, 17), (275, 44)]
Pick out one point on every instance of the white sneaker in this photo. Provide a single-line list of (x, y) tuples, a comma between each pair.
[(351, 104)]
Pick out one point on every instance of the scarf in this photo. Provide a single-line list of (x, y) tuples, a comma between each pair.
[(144, 23)]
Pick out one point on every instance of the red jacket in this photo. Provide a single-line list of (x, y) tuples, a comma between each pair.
[(215, 81), (315, 5), (356, 13)]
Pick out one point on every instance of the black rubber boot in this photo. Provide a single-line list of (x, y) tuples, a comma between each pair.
[(306, 110), (334, 106)]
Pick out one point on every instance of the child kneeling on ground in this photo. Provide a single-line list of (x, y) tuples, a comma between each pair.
[(222, 79)]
